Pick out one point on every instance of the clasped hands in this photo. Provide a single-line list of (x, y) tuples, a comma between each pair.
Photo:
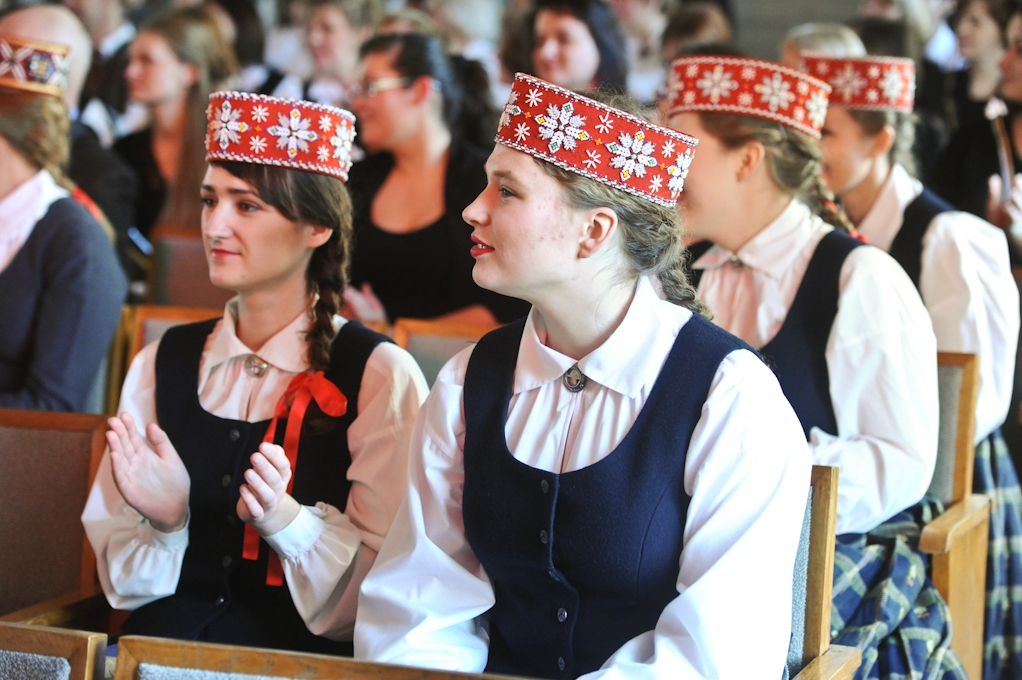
[(154, 481)]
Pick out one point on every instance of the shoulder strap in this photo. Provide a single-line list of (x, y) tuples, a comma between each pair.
[(907, 247), (349, 352), (489, 377), (177, 367)]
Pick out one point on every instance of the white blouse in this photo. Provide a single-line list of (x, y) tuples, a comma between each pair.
[(747, 471), (881, 359), (325, 553), (967, 286), (21, 209)]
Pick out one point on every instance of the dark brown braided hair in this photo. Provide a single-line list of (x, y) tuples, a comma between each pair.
[(321, 200), (792, 157)]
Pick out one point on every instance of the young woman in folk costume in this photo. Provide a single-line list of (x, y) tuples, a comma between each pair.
[(268, 446), (587, 485), (958, 262), (839, 321)]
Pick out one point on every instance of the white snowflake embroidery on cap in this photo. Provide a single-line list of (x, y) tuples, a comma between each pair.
[(510, 109), (716, 84), (633, 155), (521, 132), (534, 98), (892, 85), (689, 97), (341, 141), (257, 144), (816, 108), (562, 127), (748, 73), (802, 87), (260, 113), (678, 172), (745, 99), (606, 124), (874, 71), (872, 95), (593, 161), (692, 71), (775, 92), (226, 126), (668, 149), (325, 123), (822, 68), (799, 114), (655, 183), (323, 153), (848, 82), (293, 133)]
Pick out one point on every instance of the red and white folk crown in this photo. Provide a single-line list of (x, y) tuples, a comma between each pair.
[(748, 87), (32, 65), (595, 140), (867, 83), (253, 128)]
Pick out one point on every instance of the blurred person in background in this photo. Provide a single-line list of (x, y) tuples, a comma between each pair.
[(175, 63), (578, 45), (471, 30), (61, 288), (643, 23), (286, 46), (835, 39), (242, 27), (102, 175), (980, 27), (692, 24), (335, 32), (412, 254)]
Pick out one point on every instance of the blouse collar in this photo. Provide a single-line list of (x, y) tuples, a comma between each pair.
[(286, 350), (883, 221), (775, 248), (25, 205), (625, 363)]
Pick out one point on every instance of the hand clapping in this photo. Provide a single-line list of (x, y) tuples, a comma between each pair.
[(153, 481), (264, 501)]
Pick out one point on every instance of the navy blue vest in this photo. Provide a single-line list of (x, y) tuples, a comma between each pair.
[(907, 247), (584, 561), (220, 597)]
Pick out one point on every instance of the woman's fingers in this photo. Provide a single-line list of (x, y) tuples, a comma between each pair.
[(263, 492), (277, 458), (124, 441), (252, 506), (160, 441)]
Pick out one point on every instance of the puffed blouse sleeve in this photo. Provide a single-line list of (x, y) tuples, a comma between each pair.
[(747, 472)]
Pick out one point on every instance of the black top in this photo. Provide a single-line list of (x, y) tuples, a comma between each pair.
[(220, 596), (426, 273), (965, 168), (137, 150), (967, 109), (60, 301)]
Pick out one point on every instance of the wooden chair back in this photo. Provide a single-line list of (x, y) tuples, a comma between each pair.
[(433, 343), (143, 658), (48, 462), (957, 392), (180, 271), (150, 322), (50, 653)]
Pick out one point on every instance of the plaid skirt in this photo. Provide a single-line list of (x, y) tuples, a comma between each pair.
[(884, 604), (995, 475)]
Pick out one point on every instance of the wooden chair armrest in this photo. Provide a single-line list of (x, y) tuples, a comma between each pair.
[(837, 663), (81, 605), (940, 535)]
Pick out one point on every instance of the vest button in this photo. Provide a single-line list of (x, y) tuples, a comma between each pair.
[(220, 600), (234, 435), (225, 481), (560, 663), (545, 486), (562, 614), (232, 520), (543, 536), (227, 562)]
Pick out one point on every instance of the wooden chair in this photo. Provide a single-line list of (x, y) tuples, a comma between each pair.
[(958, 540), (433, 343), (811, 656), (49, 461), (144, 658), (50, 653), (180, 271)]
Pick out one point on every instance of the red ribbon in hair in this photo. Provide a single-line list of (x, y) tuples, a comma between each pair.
[(303, 389)]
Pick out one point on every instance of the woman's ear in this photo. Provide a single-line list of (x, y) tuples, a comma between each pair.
[(883, 142), (600, 230), (191, 75), (318, 235), (749, 157)]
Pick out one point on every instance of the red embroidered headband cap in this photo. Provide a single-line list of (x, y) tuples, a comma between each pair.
[(866, 83), (254, 128), (748, 87), (595, 140), (32, 65)]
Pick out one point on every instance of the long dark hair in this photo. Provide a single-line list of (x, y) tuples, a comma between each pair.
[(321, 200), (612, 73)]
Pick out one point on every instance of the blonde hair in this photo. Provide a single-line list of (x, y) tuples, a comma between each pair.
[(37, 126), (836, 40), (651, 234), (195, 38), (792, 158)]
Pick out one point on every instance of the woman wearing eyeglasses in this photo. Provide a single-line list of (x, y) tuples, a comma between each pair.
[(412, 248)]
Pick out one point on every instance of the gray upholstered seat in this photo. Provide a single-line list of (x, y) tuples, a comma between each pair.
[(949, 384), (149, 671), (799, 596), (431, 352), (24, 666)]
